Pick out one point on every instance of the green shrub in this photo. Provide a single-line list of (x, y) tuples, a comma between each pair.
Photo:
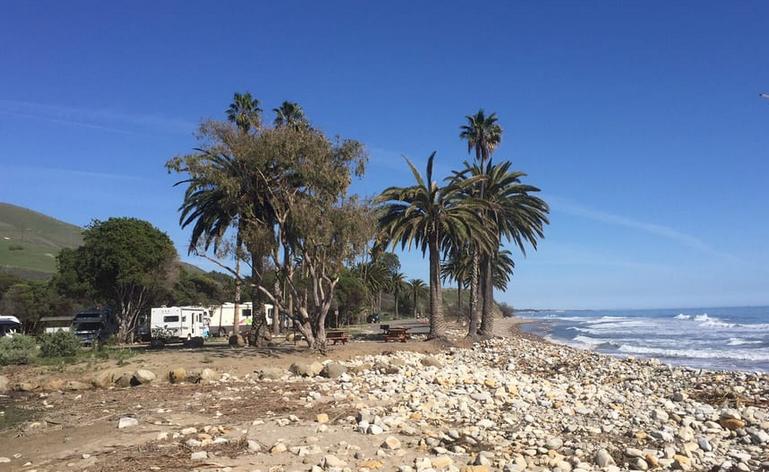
[(59, 344), (18, 349)]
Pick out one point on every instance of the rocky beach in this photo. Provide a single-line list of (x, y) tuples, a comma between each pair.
[(512, 403)]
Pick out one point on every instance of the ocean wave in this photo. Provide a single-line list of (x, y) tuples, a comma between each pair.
[(754, 355), (594, 341), (741, 341)]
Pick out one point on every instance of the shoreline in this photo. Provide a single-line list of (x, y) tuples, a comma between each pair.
[(680, 362), (513, 403)]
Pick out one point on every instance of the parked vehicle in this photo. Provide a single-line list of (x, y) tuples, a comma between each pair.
[(94, 326), (9, 325), (179, 323), (223, 317)]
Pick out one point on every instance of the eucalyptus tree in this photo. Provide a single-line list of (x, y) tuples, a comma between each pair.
[(430, 216), (416, 287)]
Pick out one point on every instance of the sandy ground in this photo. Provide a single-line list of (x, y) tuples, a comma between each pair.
[(77, 430)]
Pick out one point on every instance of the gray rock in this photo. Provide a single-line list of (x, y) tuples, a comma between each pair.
[(199, 456), (333, 370), (143, 376), (271, 373), (306, 369), (430, 361), (603, 458), (127, 422)]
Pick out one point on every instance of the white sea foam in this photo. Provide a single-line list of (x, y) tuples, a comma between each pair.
[(750, 355), (593, 341), (741, 341)]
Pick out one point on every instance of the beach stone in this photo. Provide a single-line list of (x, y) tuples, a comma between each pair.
[(333, 370), (26, 386), (199, 456), (330, 460), (732, 423), (441, 462), (271, 373), (704, 444), (127, 422), (431, 361), (660, 415), (4, 460), (5, 384), (254, 446), (639, 464), (177, 375), (321, 418), (603, 458), (278, 448), (554, 443), (392, 443), (682, 462)]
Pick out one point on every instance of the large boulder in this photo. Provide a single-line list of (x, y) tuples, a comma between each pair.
[(124, 380), (103, 379), (177, 375), (271, 373), (53, 385), (333, 370), (143, 376), (306, 369), (74, 385), (26, 386), (202, 375)]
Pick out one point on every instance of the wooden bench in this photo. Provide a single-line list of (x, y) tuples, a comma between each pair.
[(337, 337), (397, 334)]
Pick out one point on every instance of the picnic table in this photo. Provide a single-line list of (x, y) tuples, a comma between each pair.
[(396, 334), (337, 337)]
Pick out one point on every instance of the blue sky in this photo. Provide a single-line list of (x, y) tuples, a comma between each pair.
[(641, 121)]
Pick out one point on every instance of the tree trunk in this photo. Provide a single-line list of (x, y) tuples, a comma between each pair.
[(414, 309), (235, 338), (476, 300), (396, 305), (437, 323), (487, 288), (459, 300)]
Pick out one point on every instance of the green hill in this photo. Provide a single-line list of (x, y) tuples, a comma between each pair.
[(30, 241)]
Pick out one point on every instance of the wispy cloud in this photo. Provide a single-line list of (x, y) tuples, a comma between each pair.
[(101, 119), (687, 240)]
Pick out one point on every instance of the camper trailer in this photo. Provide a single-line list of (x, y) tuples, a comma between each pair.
[(223, 317), (179, 322)]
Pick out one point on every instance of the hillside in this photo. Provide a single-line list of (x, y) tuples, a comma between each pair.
[(30, 241)]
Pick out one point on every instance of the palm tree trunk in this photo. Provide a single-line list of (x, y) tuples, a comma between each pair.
[(414, 309), (476, 300), (437, 323), (396, 305), (235, 339), (487, 288), (459, 299)]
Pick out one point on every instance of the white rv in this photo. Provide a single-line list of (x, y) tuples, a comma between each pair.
[(223, 317), (180, 322)]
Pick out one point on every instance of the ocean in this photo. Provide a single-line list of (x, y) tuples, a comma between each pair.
[(712, 338)]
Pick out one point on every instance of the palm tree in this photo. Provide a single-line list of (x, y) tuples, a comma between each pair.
[(429, 216), (289, 114), (482, 133), (244, 111), (517, 216), (396, 283), (416, 286), (211, 207)]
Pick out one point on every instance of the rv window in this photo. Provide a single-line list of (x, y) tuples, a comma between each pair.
[(246, 313), (184, 318), (170, 319), (200, 317)]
